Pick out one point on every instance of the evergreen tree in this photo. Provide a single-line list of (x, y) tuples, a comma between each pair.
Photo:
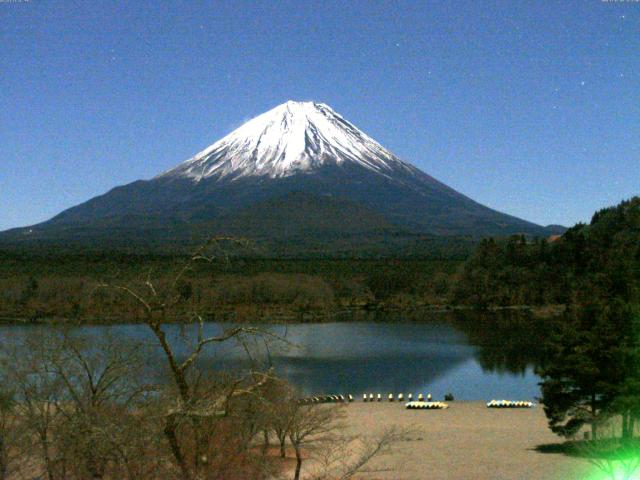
[(575, 381)]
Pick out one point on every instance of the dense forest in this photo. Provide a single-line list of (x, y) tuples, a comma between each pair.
[(598, 259)]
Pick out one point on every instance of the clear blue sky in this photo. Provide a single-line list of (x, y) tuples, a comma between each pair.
[(530, 107)]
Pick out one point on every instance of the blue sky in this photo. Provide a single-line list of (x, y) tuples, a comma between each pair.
[(532, 108)]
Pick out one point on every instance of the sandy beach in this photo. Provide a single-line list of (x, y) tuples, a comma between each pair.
[(466, 441)]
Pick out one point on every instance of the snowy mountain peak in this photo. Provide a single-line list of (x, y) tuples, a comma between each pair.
[(294, 137)]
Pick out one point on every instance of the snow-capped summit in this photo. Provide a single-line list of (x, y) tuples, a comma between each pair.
[(294, 137)]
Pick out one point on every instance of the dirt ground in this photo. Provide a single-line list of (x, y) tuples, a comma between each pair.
[(466, 441)]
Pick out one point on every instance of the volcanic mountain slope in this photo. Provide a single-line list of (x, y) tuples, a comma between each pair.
[(297, 170)]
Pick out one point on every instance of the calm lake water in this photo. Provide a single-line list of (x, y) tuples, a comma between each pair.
[(472, 356)]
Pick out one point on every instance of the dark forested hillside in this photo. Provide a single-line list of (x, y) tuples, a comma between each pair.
[(601, 259)]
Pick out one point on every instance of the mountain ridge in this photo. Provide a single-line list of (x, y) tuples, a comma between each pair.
[(294, 147)]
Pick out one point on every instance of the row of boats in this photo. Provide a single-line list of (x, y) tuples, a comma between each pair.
[(365, 398), (326, 399), (509, 404), (426, 405), (391, 398), (421, 403)]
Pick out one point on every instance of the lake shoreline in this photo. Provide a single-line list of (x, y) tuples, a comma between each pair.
[(261, 314)]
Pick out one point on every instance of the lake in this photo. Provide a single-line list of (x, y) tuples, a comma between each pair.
[(473, 356)]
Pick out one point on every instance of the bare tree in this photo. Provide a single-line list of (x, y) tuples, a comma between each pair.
[(316, 430), (344, 457), (80, 403), (11, 434), (185, 421), (101, 393), (24, 369), (311, 426), (280, 411)]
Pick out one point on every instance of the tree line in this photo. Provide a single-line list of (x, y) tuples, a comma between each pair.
[(32, 289)]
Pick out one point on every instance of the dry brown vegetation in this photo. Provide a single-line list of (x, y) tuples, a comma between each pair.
[(75, 407), (78, 407), (65, 288)]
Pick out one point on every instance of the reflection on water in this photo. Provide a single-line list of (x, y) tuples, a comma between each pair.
[(473, 356)]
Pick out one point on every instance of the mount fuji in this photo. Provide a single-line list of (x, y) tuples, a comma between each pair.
[(297, 173)]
